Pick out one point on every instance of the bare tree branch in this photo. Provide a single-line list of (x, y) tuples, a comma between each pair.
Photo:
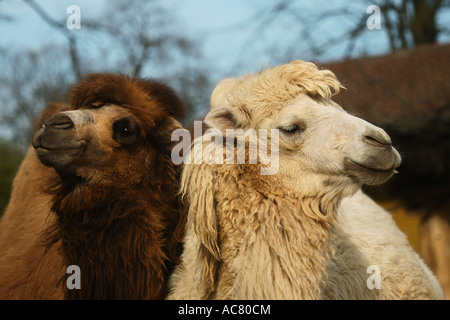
[(61, 27), (263, 25), (403, 25), (237, 26)]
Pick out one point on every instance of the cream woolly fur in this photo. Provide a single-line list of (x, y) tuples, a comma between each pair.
[(272, 89), (307, 232), (368, 235)]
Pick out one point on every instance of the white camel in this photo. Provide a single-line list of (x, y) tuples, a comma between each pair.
[(306, 232)]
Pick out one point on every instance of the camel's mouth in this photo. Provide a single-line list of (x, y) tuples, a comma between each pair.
[(369, 175), (77, 145), (350, 164), (59, 156)]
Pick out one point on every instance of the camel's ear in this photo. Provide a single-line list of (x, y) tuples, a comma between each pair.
[(163, 130), (221, 92), (172, 124), (226, 117), (164, 96)]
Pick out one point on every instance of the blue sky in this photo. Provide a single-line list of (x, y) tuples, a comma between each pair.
[(28, 30), (231, 42), (211, 22)]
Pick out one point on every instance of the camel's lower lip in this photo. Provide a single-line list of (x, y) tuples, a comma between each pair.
[(352, 165), (78, 145), (42, 149)]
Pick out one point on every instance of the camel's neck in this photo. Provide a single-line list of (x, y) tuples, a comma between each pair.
[(117, 239), (285, 249)]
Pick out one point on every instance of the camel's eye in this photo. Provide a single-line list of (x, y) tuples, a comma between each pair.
[(125, 130), (96, 105), (290, 130)]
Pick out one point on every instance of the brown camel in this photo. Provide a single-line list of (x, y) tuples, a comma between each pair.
[(101, 194)]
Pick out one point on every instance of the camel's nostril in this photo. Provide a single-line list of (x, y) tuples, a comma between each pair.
[(59, 122), (378, 140), (62, 125)]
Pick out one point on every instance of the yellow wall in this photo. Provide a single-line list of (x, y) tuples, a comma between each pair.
[(408, 223)]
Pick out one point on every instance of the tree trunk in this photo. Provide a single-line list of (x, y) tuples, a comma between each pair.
[(423, 23)]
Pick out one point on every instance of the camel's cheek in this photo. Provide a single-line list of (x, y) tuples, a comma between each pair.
[(113, 166)]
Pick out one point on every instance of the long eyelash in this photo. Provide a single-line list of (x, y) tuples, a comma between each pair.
[(96, 106), (291, 129)]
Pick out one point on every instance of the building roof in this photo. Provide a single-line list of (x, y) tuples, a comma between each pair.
[(406, 90)]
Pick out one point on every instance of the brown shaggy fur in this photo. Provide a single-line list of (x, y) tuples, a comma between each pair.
[(27, 270), (125, 237)]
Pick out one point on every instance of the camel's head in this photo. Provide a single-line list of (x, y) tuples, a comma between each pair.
[(112, 131), (316, 136)]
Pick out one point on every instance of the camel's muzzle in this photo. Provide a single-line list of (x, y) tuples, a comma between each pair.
[(55, 142), (377, 161)]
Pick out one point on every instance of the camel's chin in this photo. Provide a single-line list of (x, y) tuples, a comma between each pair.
[(56, 154), (60, 159), (367, 175)]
